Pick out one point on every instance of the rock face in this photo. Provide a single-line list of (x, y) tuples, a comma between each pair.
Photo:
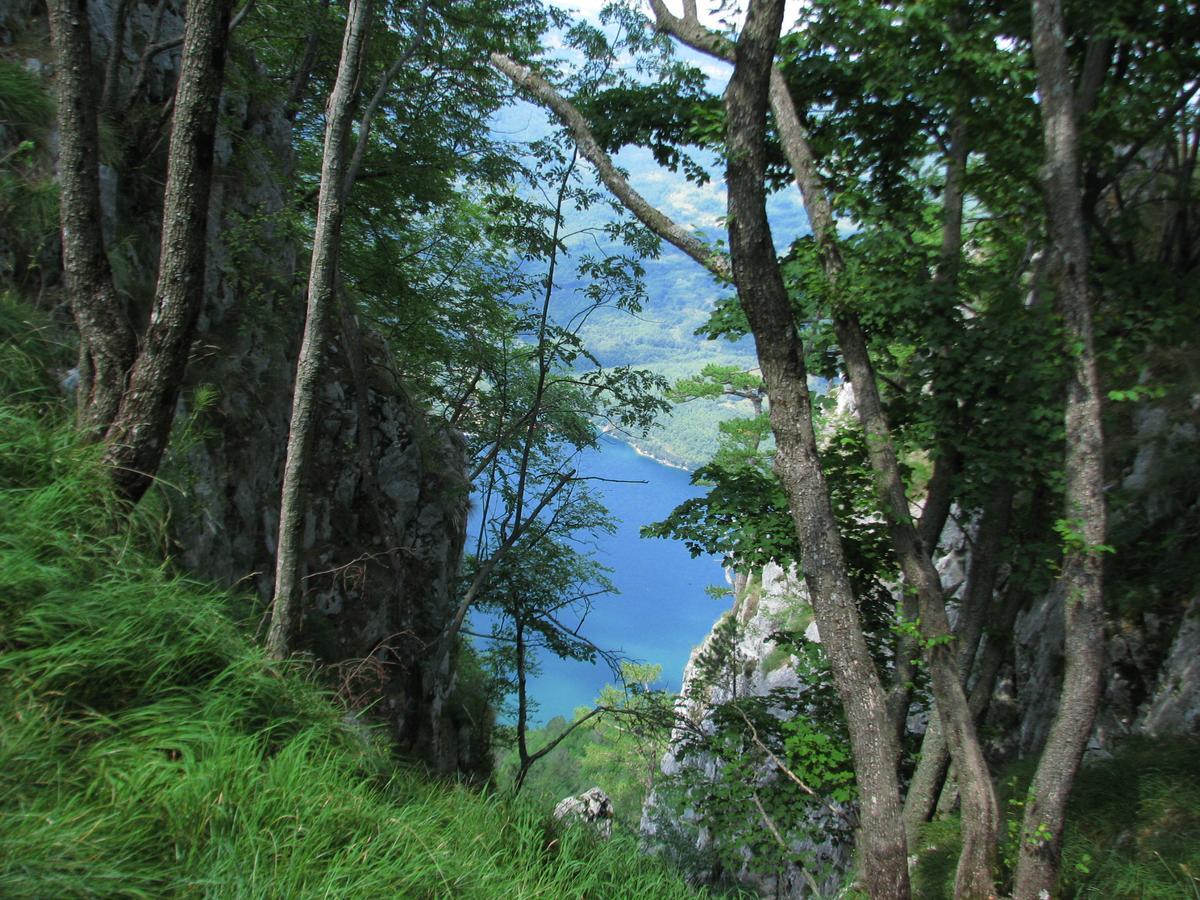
[(593, 807), (774, 600), (387, 504)]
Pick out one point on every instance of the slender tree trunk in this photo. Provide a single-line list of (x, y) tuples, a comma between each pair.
[(939, 495), (881, 838), (980, 812), (286, 610), (981, 820), (763, 296), (112, 66), (138, 435), (522, 706), (106, 341), (926, 785), (303, 73), (1085, 515)]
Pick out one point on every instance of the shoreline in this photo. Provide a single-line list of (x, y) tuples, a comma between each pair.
[(646, 453)]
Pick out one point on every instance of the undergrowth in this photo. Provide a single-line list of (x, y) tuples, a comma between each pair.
[(149, 749), (1133, 826)]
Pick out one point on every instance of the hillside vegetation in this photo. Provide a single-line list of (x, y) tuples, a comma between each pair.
[(150, 749)]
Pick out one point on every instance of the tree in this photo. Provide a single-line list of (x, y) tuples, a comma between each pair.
[(129, 397), (106, 340), (286, 608), (547, 397), (881, 840), (1084, 521)]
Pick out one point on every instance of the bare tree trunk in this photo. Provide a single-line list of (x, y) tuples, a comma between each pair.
[(980, 812), (981, 820), (303, 73), (764, 298), (939, 494), (138, 435), (112, 66), (927, 782), (286, 610), (106, 341), (1085, 514), (522, 705)]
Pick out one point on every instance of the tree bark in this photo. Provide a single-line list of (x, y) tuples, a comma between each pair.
[(881, 838), (1085, 514), (138, 435), (286, 611), (980, 815), (926, 785), (106, 341), (939, 494), (764, 298), (112, 66)]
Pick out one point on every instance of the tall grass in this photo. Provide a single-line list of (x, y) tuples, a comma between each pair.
[(149, 749), (1133, 826)]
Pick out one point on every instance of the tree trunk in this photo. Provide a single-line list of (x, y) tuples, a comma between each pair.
[(286, 610), (106, 341), (939, 495), (764, 298), (980, 815), (1085, 515), (981, 820), (522, 707), (138, 435), (926, 785)]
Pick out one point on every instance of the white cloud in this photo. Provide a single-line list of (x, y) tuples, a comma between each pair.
[(694, 204)]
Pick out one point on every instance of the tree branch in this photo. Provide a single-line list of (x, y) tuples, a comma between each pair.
[(545, 95)]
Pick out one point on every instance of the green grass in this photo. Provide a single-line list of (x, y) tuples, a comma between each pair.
[(148, 749), (24, 99), (1133, 826)]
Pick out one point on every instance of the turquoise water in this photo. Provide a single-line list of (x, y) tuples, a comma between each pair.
[(661, 612)]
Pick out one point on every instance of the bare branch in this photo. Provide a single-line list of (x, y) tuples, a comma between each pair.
[(792, 776), (544, 94)]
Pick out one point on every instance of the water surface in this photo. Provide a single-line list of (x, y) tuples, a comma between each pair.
[(662, 611)]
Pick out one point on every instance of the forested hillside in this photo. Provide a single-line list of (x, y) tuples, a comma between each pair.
[(304, 352)]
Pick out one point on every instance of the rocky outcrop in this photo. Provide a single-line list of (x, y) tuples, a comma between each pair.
[(593, 807), (1152, 679), (752, 665), (386, 518)]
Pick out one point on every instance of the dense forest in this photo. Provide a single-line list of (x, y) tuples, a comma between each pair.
[(304, 349)]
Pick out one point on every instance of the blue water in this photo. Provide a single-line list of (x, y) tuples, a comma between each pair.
[(661, 612)]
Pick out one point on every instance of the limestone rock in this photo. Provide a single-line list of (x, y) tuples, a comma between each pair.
[(1175, 706), (593, 806)]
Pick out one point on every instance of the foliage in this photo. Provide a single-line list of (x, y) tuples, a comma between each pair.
[(24, 100), (618, 751), (745, 518), (28, 195)]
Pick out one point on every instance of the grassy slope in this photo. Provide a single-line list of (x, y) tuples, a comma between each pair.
[(1133, 827), (147, 748)]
